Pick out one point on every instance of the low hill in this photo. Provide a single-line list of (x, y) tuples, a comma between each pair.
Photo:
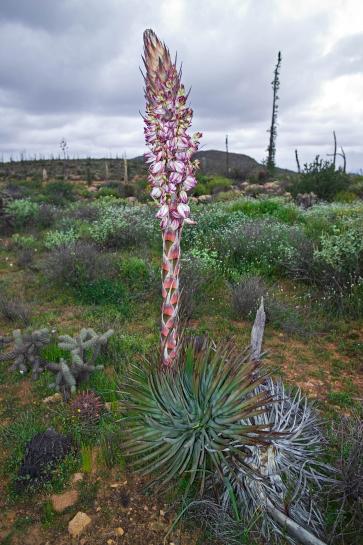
[(212, 162)]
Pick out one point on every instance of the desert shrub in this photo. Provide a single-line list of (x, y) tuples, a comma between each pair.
[(23, 241), (46, 216), (14, 310), (108, 192), (211, 185), (124, 226), (246, 296), (54, 239), (345, 196), (196, 274), (104, 291), (321, 178), (58, 193), (260, 245), (22, 212), (25, 257), (273, 207), (138, 275), (76, 264), (83, 212), (344, 508), (356, 186)]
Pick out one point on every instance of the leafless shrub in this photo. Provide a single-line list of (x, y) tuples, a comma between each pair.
[(46, 215), (25, 258), (246, 296), (194, 275), (77, 264), (345, 497), (84, 212), (14, 310)]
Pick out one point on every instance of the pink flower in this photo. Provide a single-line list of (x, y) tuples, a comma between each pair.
[(183, 210), (163, 211)]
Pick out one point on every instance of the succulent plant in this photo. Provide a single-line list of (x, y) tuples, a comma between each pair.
[(192, 420), (26, 353), (279, 478), (42, 453), (84, 349), (171, 173), (87, 406)]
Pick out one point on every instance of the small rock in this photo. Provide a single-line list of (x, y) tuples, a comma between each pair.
[(60, 502), (98, 509), (83, 541), (54, 398), (77, 477), (108, 406), (119, 531), (110, 542), (162, 513), (78, 524)]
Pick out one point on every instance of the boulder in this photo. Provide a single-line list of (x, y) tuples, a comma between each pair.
[(78, 524), (61, 502)]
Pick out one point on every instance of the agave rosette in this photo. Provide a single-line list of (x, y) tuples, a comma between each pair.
[(192, 421)]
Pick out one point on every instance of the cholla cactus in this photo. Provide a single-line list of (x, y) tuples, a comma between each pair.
[(171, 173), (26, 353), (87, 340), (69, 376)]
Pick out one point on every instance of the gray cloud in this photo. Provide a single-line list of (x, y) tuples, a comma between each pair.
[(71, 68)]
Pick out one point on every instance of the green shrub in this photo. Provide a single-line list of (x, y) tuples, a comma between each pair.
[(136, 273), (104, 291), (23, 241), (54, 239), (273, 207), (345, 196), (58, 193), (22, 211), (321, 178)]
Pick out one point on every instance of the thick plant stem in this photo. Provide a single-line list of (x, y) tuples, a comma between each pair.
[(170, 295), (292, 528)]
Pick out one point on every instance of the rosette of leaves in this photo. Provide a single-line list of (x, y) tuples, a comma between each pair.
[(278, 480), (189, 422), (87, 406), (26, 352)]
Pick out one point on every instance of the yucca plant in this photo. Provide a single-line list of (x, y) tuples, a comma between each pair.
[(191, 422), (278, 494), (171, 173)]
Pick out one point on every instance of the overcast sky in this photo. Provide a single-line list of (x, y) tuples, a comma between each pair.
[(70, 69)]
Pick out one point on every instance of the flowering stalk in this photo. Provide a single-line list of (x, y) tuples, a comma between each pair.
[(171, 173)]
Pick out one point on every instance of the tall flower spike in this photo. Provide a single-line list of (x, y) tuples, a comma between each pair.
[(171, 173)]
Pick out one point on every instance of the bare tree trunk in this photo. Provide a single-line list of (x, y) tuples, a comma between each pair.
[(297, 161), (335, 149), (227, 157)]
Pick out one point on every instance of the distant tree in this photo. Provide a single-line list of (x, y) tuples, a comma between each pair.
[(88, 171), (335, 153), (271, 150), (297, 161), (227, 156), (64, 147)]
